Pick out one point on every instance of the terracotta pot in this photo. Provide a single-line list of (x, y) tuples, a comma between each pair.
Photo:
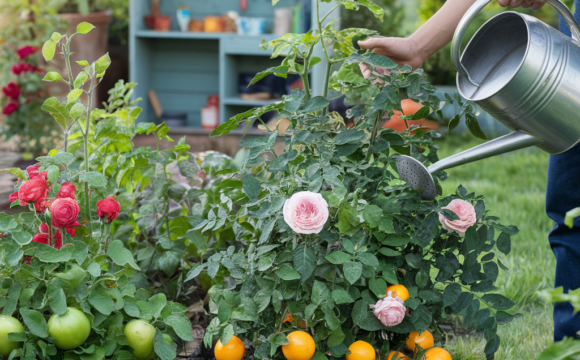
[(158, 22), (89, 46)]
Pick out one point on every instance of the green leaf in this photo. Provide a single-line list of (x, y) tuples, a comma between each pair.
[(224, 312), (52, 76), (120, 255), (352, 271), (378, 286), (53, 173), (453, 122), (287, 272), (341, 297), (451, 294), (83, 63), (181, 325), (349, 136), (101, 301), (567, 349), (81, 78), (58, 111), (94, 178), (48, 254), (280, 71), (498, 302), (74, 95), (338, 257), (56, 37), (473, 126), (504, 243), (314, 104), (164, 350), (194, 272), (251, 187), (48, 49), (35, 322), (21, 237), (19, 173), (371, 59), (368, 259), (56, 299), (304, 261), (227, 334), (372, 215), (77, 110), (276, 341), (84, 28), (320, 292), (102, 64)]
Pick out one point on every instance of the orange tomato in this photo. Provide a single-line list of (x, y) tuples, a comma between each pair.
[(425, 340), (301, 346), (400, 356), (437, 353), (233, 350), (361, 350), (398, 291)]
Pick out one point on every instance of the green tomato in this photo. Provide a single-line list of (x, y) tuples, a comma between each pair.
[(140, 335), (8, 324), (69, 330)]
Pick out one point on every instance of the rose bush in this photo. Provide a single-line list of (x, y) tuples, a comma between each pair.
[(70, 265), (381, 247)]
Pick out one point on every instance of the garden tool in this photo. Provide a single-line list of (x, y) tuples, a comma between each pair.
[(522, 72)]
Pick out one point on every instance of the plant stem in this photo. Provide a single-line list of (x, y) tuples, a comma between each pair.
[(328, 61), (157, 141), (86, 148), (305, 82), (373, 136), (66, 52), (66, 141), (330, 12)]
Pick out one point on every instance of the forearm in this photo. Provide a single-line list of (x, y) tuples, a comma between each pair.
[(439, 29)]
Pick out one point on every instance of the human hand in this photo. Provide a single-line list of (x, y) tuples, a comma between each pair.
[(403, 51), (534, 4)]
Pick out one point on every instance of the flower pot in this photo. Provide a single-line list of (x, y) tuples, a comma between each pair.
[(158, 22)]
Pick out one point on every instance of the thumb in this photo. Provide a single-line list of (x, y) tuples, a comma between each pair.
[(373, 42)]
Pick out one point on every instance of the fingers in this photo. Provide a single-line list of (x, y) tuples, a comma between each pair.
[(366, 72), (503, 3), (515, 3), (373, 42), (538, 4)]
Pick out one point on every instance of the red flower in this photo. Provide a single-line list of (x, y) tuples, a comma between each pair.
[(42, 204), (57, 240), (34, 174), (11, 90), (43, 228), (25, 51), (18, 69), (67, 190), (108, 207), (43, 238), (10, 108), (32, 190), (65, 212), (71, 231), (13, 197)]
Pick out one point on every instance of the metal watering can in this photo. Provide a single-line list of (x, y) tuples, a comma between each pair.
[(522, 72)]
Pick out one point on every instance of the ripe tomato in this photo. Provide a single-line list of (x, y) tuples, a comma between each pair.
[(140, 337), (8, 324), (69, 330)]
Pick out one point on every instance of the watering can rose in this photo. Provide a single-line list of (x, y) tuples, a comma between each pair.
[(389, 310), (466, 213), (306, 212)]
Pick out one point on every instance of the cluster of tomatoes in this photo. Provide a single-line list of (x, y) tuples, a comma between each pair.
[(71, 329)]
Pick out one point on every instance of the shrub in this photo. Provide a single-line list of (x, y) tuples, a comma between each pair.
[(327, 225)]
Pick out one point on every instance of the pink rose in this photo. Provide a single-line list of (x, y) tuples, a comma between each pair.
[(65, 212), (389, 310), (466, 213), (306, 212)]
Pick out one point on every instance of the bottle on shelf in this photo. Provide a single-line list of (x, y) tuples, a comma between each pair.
[(210, 116)]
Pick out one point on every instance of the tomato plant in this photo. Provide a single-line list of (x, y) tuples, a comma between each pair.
[(69, 330), (140, 336), (9, 325)]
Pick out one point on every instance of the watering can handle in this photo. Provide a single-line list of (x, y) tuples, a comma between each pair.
[(476, 8)]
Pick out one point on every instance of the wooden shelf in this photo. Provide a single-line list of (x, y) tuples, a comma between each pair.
[(243, 102)]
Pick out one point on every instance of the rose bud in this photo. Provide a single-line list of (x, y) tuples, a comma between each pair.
[(306, 212), (108, 207), (65, 212)]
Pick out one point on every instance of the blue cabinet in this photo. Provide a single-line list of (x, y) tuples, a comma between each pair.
[(185, 67)]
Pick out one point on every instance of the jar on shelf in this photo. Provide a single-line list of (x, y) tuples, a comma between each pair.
[(210, 114)]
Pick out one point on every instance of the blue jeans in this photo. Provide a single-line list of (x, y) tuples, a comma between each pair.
[(563, 194)]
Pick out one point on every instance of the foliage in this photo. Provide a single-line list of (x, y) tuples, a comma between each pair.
[(568, 349), (379, 232), (96, 270), (119, 29), (83, 7), (28, 24), (390, 26)]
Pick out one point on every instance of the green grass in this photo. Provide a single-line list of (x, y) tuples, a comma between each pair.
[(514, 185)]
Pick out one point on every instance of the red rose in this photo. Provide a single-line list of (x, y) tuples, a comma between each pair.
[(34, 174), (42, 204), (57, 240), (11, 90), (108, 207), (71, 231), (25, 51), (67, 190), (13, 197), (10, 108), (40, 238), (43, 228), (65, 212), (32, 190)]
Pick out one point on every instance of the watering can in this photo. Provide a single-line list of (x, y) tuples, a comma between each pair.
[(522, 72)]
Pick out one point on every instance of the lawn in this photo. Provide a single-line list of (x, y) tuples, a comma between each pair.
[(514, 185)]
